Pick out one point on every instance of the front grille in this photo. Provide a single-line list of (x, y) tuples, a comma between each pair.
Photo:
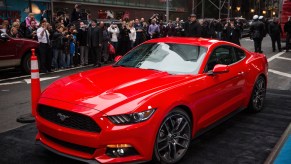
[(68, 119), (80, 148)]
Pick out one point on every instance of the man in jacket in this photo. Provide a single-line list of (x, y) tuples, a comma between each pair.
[(275, 32), (82, 41), (256, 33), (287, 29), (94, 41), (194, 28)]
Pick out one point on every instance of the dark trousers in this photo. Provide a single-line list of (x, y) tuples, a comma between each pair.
[(96, 55), (45, 57), (278, 40), (258, 44), (288, 37)]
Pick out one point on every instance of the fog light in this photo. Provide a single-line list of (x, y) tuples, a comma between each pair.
[(120, 150)]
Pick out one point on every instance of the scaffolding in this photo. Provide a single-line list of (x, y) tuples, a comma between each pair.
[(220, 6)]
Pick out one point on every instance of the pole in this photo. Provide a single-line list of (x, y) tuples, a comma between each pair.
[(52, 10), (193, 6), (167, 10), (29, 6), (228, 9), (203, 6), (219, 10)]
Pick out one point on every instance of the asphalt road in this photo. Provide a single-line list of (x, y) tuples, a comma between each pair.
[(15, 87)]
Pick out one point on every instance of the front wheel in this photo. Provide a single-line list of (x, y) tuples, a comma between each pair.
[(25, 63), (173, 138), (257, 100)]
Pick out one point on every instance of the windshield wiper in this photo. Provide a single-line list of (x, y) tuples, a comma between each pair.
[(120, 65)]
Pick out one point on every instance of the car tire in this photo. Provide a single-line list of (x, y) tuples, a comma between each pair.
[(258, 96), (173, 137), (25, 63)]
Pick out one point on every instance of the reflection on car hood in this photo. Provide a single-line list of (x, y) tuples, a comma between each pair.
[(104, 87)]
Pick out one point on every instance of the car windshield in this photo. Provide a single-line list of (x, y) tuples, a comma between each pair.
[(169, 57)]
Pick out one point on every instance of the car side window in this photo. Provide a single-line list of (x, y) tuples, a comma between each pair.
[(221, 55), (240, 54)]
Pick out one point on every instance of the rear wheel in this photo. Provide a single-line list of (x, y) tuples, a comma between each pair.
[(173, 138), (257, 100)]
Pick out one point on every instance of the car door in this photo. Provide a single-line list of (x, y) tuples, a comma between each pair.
[(220, 94), (8, 52)]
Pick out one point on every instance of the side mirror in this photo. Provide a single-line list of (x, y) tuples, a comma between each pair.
[(4, 36), (219, 69), (117, 58)]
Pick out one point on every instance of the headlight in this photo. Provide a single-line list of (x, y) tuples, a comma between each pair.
[(132, 118)]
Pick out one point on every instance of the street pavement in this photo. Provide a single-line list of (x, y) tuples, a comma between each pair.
[(15, 90)]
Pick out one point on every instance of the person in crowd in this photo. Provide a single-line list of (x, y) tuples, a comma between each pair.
[(211, 32), (218, 29), (162, 28), (45, 56), (139, 32), (170, 29), (43, 15), (178, 26), (256, 33), (275, 32), (82, 42), (232, 32), (29, 18), (154, 30), (114, 33), (30, 31), (264, 32), (94, 41), (105, 42), (76, 15), (14, 33), (66, 19), (145, 31), (132, 34), (20, 29), (5, 26), (194, 29), (205, 29), (124, 38), (72, 58), (58, 45), (287, 30)]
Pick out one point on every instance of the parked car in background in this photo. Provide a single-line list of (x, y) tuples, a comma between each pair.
[(151, 102), (16, 52)]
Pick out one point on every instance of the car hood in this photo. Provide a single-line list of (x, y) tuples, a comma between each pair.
[(109, 86)]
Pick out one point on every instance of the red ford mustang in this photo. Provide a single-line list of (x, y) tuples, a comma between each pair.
[(152, 102)]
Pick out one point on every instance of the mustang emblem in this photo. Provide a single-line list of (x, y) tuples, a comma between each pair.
[(62, 116)]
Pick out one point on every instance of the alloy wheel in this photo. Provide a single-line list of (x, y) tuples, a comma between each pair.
[(173, 137)]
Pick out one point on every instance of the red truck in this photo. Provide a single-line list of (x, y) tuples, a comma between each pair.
[(16, 52)]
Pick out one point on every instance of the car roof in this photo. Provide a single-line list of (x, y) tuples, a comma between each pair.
[(187, 40)]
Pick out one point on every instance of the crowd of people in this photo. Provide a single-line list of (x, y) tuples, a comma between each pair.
[(64, 44)]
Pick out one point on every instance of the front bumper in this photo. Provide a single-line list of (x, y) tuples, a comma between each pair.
[(90, 146)]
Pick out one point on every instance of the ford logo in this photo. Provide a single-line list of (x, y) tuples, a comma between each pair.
[(62, 116)]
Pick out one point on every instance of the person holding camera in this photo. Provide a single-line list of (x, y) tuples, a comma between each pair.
[(124, 38), (45, 57), (114, 33), (30, 31), (154, 30)]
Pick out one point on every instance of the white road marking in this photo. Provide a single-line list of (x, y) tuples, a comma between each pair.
[(28, 81), (284, 58), (276, 56), (15, 82), (280, 73)]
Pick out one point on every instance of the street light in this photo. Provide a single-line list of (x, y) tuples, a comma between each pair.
[(274, 13), (264, 12), (252, 10), (238, 8)]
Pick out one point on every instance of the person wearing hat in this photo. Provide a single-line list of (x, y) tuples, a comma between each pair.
[(256, 33), (287, 30), (194, 28)]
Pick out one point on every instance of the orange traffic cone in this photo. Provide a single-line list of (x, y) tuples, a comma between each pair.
[(35, 83)]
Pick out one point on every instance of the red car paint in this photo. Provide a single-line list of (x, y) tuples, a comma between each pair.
[(109, 90)]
